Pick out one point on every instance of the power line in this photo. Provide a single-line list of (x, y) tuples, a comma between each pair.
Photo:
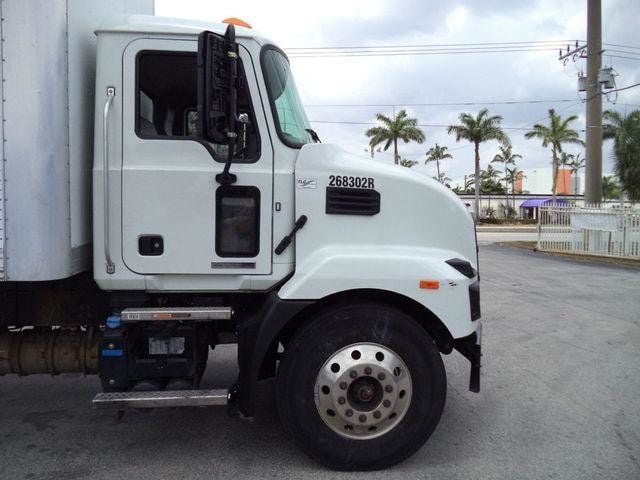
[(623, 88), (621, 46), (443, 104), (431, 125), (557, 111), (383, 53), (426, 49), (449, 49), (619, 51), (433, 45), (621, 56)]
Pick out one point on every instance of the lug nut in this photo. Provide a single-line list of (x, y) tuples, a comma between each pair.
[(353, 374), (377, 414), (367, 371), (111, 346), (381, 376), (349, 413), (388, 389), (112, 381), (362, 418), (343, 385), (386, 403), (341, 400)]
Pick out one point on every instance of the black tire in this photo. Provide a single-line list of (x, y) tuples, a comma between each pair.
[(335, 328)]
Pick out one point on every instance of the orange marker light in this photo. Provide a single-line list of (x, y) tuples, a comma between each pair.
[(236, 21), (430, 284)]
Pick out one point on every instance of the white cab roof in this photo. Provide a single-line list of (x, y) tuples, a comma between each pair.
[(149, 24)]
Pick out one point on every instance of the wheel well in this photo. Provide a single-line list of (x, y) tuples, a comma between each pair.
[(427, 319)]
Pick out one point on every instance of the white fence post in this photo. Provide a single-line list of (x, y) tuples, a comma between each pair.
[(611, 230)]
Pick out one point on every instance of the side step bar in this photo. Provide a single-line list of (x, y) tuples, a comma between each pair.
[(184, 313), (160, 399)]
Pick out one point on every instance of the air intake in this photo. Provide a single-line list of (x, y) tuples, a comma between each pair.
[(352, 201)]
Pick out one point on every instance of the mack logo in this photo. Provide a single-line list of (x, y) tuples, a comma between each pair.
[(307, 183)]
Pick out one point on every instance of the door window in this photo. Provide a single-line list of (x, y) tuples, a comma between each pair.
[(237, 221), (167, 102)]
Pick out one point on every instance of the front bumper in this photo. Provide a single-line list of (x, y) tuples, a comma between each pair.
[(471, 348)]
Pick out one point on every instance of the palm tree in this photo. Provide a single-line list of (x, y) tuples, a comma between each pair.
[(610, 187), (577, 164), (477, 130), (557, 133), (442, 178), (435, 154), (489, 178), (469, 182), (507, 157), (625, 132), (510, 176), (565, 160), (400, 127), (408, 163)]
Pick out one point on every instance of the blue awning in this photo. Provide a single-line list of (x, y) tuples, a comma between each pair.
[(536, 202)]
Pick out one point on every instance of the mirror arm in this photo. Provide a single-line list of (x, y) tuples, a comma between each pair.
[(226, 178)]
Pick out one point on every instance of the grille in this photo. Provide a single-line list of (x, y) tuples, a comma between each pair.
[(352, 201)]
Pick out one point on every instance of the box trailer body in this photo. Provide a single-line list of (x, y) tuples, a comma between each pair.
[(163, 193), (48, 74)]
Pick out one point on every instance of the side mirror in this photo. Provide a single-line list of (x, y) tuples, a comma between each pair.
[(217, 94)]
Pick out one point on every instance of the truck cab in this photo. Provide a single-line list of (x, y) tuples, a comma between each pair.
[(218, 216)]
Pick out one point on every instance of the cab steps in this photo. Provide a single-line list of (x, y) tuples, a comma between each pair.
[(161, 399)]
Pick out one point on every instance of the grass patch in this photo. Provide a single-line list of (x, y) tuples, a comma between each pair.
[(627, 262)]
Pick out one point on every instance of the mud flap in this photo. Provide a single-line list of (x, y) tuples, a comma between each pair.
[(471, 348)]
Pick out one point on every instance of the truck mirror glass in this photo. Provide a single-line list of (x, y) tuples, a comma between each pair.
[(217, 70)]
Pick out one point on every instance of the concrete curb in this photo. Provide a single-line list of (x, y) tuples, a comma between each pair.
[(527, 229)]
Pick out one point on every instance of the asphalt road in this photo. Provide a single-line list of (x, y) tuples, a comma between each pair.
[(560, 399), (486, 238)]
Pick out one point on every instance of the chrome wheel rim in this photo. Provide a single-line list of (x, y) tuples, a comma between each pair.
[(363, 391)]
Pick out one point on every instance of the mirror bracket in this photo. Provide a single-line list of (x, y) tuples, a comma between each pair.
[(217, 93)]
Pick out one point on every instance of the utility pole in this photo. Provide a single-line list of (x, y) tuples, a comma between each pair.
[(593, 168)]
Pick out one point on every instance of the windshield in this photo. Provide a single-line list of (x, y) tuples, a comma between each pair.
[(291, 121)]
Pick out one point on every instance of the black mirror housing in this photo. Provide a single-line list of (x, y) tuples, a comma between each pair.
[(217, 97)]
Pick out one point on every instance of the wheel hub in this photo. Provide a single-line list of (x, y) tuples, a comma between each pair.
[(365, 393), (363, 390)]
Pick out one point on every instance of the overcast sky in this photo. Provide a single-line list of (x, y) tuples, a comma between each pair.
[(401, 80)]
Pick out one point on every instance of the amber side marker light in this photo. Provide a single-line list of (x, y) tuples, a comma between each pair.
[(237, 22), (429, 284)]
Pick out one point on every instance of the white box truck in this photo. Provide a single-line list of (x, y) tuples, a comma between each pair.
[(163, 193)]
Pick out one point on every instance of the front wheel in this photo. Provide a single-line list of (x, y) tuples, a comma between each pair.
[(362, 387)]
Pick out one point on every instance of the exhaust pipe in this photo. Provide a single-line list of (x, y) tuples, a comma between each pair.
[(53, 351)]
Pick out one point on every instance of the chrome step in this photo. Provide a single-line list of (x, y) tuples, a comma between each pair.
[(160, 399), (172, 314)]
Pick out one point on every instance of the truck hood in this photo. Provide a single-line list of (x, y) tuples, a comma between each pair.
[(415, 210)]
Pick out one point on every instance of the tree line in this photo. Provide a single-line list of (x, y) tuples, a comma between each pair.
[(624, 130)]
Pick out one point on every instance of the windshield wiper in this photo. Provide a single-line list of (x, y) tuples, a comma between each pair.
[(314, 135)]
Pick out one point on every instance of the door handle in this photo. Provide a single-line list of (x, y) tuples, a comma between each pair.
[(111, 92)]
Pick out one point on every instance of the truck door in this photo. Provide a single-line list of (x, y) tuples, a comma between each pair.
[(176, 219)]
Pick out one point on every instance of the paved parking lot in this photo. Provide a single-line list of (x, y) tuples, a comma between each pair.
[(560, 399)]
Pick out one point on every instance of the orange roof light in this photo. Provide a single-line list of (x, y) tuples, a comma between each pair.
[(236, 21), (430, 284)]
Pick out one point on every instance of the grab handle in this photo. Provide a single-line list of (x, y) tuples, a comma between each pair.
[(111, 92)]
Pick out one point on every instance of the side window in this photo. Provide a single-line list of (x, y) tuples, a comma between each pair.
[(167, 99), (237, 221)]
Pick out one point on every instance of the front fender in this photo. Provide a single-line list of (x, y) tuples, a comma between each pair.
[(338, 268)]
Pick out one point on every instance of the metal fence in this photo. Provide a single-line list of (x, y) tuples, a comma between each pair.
[(611, 230)]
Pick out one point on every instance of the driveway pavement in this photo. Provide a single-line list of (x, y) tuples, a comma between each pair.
[(560, 399)]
